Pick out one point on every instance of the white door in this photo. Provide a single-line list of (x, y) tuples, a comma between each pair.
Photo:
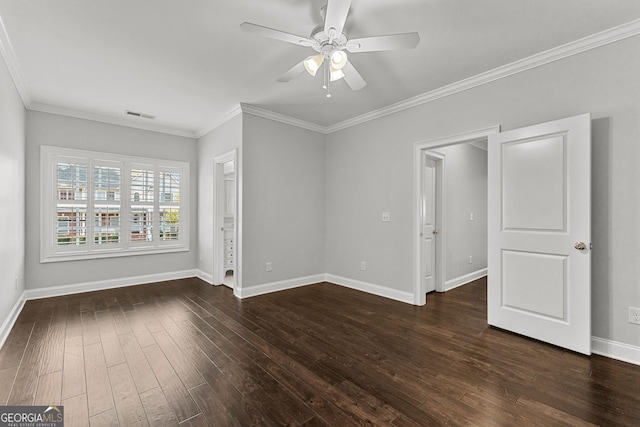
[(539, 232), (429, 230)]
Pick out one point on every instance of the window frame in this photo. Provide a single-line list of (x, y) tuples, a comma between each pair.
[(51, 251)]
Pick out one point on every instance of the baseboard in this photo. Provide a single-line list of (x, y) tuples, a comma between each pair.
[(8, 323), (615, 350), (381, 291), (205, 276), (463, 280), (608, 348), (55, 291), (282, 285)]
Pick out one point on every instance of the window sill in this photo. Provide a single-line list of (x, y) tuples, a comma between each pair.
[(113, 253)]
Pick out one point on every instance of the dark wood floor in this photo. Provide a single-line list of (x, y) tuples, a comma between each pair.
[(185, 352)]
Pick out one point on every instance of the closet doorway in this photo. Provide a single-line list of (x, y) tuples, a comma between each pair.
[(430, 249), (225, 220)]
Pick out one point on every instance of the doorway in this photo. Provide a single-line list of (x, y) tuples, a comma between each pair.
[(539, 229), (225, 220), (424, 154), (432, 214)]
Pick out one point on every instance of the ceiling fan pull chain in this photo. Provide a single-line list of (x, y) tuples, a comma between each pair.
[(324, 76), (327, 79)]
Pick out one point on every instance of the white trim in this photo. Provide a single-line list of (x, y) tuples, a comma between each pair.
[(441, 216), (11, 319), (127, 121), (219, 121), (592, 41), (51, 252), (237, 273), (277, 117), (54, 291), (218, 217), (615, 350), (557, 53), (419, 294), (371, 288), (204, 276), (282, 285), (463, 280), (420, 148), (459, 138), (76, 288), (607, 348), (7, 52)]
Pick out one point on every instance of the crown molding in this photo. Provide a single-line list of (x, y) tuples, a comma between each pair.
[(6, 49), (593, 41), (266, 114), (467, 137), (148, 126), (219, 121)]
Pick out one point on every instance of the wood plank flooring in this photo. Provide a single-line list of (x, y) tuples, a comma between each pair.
[(186, 353)]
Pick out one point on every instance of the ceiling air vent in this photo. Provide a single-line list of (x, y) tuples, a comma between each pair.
[(143, 115)]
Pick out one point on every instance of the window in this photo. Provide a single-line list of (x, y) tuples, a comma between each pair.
[(98, 205)]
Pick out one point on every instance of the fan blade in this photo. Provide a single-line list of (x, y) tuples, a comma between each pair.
[(250, 28), (336, 15), (378, 43), (292, 72), (353, 78)]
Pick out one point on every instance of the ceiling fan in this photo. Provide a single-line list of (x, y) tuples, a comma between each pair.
[(332, 45)]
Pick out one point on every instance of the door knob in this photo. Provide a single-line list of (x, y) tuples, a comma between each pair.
[(580, 246), (435, 232)]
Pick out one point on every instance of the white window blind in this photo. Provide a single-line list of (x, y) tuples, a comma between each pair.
[(102, 205), (143, 191)]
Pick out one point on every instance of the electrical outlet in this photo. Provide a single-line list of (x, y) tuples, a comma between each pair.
[(470, 216), (363, 265), (634, 315), (269, 267), (386, 216), (470, 259)]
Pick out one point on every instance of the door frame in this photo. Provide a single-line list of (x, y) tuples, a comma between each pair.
[(440, 217), (420, 150), (218, 219)]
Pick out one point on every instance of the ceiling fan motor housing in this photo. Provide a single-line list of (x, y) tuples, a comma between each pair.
[(325, 44)]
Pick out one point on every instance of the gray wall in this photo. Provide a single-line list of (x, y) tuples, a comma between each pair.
[(221, 140), (283, 171), (12, 173), (313, 203), (62, 131), (368, 174), (369, 169), (465, 180)]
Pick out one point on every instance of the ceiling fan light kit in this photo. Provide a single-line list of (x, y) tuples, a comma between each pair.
[(331, 43), (313, 63), (336, 74), (338, 60)]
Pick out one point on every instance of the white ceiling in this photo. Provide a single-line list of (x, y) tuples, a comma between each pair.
[(188, 63)]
